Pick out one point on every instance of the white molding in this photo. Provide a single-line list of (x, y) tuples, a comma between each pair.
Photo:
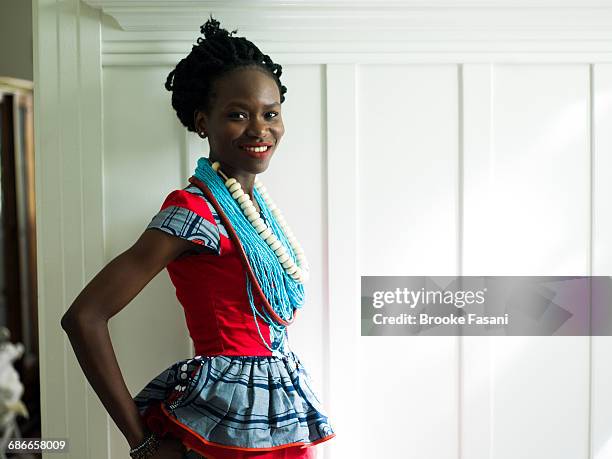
[(151, 32), (477, 356), (343, 256), (69, 210), (300, 19), (170, 60), (601, 254), (123, 8)]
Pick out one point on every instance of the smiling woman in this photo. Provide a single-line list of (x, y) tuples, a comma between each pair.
[(244, 123), (239, 273)]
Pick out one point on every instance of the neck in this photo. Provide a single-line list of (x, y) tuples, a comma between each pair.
[(246, 179)]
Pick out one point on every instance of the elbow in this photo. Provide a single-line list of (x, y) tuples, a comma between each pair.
[(70, 321), (78, 320), (67, 321)]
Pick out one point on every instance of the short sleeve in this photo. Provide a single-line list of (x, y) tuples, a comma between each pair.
[(188, 216)]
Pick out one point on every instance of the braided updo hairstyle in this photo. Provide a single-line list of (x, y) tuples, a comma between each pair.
[(214, 55)]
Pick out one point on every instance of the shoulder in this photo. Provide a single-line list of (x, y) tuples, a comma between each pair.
[(187, 214), (191, 198)]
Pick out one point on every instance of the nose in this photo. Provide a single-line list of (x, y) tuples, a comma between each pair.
[(257, 128)]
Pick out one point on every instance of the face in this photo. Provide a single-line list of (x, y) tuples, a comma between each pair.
[(244, 113)]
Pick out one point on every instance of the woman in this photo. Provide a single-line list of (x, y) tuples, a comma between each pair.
[(238, 272)]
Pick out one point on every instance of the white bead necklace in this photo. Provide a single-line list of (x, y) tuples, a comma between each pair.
[(299, 271)]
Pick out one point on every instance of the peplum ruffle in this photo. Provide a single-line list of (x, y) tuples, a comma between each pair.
[(240, 403)]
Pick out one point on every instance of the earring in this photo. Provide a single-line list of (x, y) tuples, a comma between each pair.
[(202, 134)]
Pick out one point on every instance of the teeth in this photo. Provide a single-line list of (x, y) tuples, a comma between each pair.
[(256, 149)]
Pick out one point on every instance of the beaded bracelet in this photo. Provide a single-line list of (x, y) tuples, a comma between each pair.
[(146, 449)]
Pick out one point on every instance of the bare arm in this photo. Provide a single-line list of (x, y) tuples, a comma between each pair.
[(86, 322)]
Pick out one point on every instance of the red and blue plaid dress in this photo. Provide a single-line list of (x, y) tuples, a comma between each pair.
[(235, 398)]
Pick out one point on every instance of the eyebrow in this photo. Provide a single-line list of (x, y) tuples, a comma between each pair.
[(241, 104)]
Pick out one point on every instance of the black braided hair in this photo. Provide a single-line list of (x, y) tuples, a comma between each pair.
[(214, 55)]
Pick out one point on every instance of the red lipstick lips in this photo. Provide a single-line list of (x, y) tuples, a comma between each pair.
[(260, 144), (257, 154)]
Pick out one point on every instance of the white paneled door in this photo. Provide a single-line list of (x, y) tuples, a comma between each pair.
[(444, 138)]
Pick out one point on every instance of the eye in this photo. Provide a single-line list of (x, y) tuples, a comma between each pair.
[(237, 115), (272, 114)]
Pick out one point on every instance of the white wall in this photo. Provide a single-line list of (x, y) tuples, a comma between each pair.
[(420, 141)]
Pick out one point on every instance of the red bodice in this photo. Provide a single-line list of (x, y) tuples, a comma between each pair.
[(211, 287)]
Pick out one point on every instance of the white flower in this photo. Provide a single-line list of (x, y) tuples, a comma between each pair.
[(11, 388)]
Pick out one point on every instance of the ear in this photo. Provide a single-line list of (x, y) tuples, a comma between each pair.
[(200, 122)]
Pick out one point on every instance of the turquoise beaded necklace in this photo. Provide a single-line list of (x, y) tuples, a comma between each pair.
[(280, 289)]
